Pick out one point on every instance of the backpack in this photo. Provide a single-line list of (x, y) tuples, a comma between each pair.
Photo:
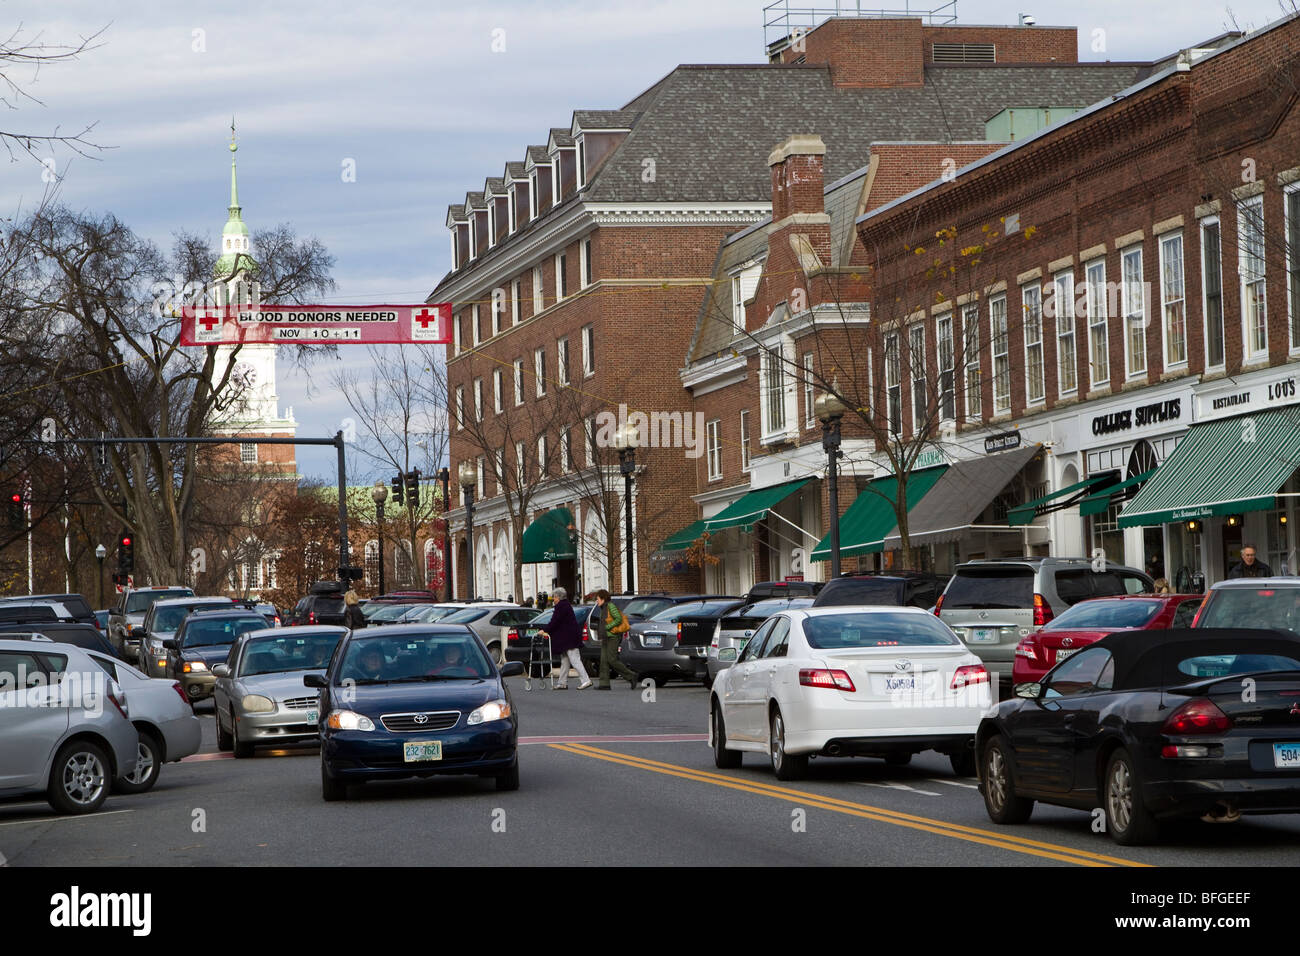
[(620, 625)]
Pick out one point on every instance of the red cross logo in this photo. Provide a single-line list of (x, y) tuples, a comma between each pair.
[(209, 321), (425, 317)]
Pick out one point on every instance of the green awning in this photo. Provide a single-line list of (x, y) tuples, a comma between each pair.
[(1221, 467), (753, 507), (1025, 514), (685, 538), (547, 538), (1097, 503), (864, 526)]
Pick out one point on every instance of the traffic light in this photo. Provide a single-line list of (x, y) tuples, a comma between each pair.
[(397, 489), (413, 487), (125, 553), (15, 507)]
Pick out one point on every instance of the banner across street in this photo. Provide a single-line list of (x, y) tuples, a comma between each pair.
[(306, 324)]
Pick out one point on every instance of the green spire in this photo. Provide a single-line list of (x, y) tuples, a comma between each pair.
[(234, 188), (235, 247)]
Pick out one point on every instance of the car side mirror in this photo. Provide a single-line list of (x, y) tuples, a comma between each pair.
[(727, 655), (1030, 691), (221, 670), (170, 643), (138, 631), (512, 669), (318, 680)]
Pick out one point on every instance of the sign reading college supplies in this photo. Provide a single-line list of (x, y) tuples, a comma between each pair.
[(317, 324)]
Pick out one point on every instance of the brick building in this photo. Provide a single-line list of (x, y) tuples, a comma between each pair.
[(577, 274)]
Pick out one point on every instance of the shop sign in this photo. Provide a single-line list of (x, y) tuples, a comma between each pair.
[(1155, 413), (1002, 442)]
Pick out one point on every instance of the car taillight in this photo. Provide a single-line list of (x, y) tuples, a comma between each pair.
[(1201, 610), (1042, 611), (938, 605), (311, 617), (969, 674), (176, 686), (1201, 716), (118, 697), (586, 635), (717, 634), (512, 634), (821, 677), (1026, 650)]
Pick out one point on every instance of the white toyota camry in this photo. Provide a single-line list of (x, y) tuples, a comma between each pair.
[(849, 681)]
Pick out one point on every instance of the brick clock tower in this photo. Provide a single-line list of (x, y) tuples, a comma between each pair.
[(256, 414)]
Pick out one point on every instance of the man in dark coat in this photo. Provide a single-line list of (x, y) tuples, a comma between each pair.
[(1248, 567), (566, 639)]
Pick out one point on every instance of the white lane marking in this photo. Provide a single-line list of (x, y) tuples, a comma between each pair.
[(953, 783), (88, 816), (898, 786)]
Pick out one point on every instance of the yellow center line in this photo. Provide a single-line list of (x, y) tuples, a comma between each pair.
[(881, 814)]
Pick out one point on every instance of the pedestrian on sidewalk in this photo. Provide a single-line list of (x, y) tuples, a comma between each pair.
[(608, 625), (352, 615), (1248, 567), (566, 639)]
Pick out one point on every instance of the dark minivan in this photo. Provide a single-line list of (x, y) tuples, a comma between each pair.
[(896, 589)]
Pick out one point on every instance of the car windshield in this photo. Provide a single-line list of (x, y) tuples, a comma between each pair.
[(168, 619), (465, 616), (644, 607), (886, 629), (1253, 608), (293, 652), (1228, 665), (692, 609), (1105, 615), (222, 630), (990, 588), (865, 591), (140, 601), (418, 657)]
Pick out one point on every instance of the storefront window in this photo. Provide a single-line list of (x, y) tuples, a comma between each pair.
[(1277, 539), (1107, 536), (1183, 560)]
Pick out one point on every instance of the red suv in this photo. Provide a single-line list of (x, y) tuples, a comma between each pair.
[(1092, 620)]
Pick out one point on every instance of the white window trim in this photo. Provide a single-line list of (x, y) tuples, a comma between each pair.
[(1162, 240), (940, 323), (1249, 355), (1065, 280), (519, 382), (893, 372), (588, 351), (473, 244), (589, 441), (580, 160), (809, 413), (584, 254), (998, 409), (492, 223), (1025, 290), (539, 301), (474, 320), (1095, 297), (745, 448), (481, 490), (713, 449), (499, 465), (455, 332), (971, 327), (737, 306), (789, 395), (515, 285), (539, 371), (566, 452), (521, 478), (918, 421), (555, 179), (1127, 312), (543, 456), (560, 262), (478, 400), (562, 361), (532, 195), (1291, 195), (455, 264), (460, 407), (498, 391), (1205, 312)]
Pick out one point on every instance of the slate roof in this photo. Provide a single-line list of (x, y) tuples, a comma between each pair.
[(538, 154), (604, 119), (562, 136), (494, 185), (514, 171)]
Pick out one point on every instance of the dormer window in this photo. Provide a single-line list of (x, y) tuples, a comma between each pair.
[(555, 180), (532, 196), (492, 223), (582, 162), (514, 210)]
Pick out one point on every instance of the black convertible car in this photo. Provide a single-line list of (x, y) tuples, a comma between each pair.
[(1151, 726)]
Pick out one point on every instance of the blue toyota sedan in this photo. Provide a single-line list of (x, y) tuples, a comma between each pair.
[(414, 700)]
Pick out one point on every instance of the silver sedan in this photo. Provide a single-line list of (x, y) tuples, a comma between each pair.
[(259, 696)]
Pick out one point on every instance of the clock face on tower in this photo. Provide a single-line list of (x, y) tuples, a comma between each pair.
[(245, 374)]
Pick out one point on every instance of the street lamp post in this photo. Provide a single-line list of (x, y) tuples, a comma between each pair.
[(468, 475), (577, 561), (444, 475), (626, 440), (830, 410), (100, 553), (380, 494)]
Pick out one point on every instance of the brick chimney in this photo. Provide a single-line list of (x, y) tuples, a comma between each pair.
[(799, 238), (798, 184)]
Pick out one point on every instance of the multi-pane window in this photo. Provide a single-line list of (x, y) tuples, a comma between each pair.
[(947, 389), (372, 563), (713, 448), (538, 301), (1293, 263), (519, 381), (1173, 302), (737, 307), (474, 327), (1032, 300), (894, 384), (561, 280), (478, 399), (1254, 302), (562, 360), (1212, 284), (920, 393), (970, 323), (460, 406), (1001, 346), (539, 371), (497, 391), (521, 473), (588, 350), (1098, 330), (543, 456), (586, 263), (532, 195), (744, 441), (1134, 307), (810, 416), (1067, 360), (403, 565), (774, 391), (514, 302), (248, 453)]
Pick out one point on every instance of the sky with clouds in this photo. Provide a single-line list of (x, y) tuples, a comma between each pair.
[(414, 95)]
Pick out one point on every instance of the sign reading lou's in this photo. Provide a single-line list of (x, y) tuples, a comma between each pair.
[(316, 324)]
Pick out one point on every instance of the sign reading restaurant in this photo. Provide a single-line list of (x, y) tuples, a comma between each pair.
[(1253, 393)]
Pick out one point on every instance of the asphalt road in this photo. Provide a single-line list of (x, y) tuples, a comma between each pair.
[(606, 778)]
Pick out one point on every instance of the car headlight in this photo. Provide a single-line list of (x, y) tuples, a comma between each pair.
[(347, 720), (257, 704), (492, 710), (193, 667)]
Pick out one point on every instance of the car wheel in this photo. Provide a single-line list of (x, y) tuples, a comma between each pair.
[(785, 766), (331, 789), (224, 740), (660, 680), (898, 759), (1000, 798), (1127, 818), (241, 748), (963, 764), (723, 758), (148, 764), (510, 779), (79, 778)]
